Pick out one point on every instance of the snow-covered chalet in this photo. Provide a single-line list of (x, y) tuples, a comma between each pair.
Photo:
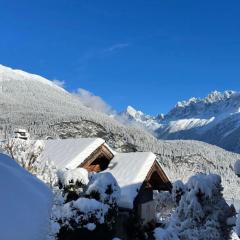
[(137, 173)]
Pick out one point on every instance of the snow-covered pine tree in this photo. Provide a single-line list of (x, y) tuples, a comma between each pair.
[(201, 213)]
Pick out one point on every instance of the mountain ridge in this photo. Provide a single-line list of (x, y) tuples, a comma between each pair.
[(214, 119)]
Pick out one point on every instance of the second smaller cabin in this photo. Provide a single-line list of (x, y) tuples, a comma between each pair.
[(138, 175)]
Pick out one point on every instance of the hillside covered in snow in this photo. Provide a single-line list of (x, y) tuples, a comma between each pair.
[(46, 110)]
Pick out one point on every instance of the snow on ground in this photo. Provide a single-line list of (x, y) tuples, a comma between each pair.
[(185, 124), (25, 203), (130, 170), (69, 153)]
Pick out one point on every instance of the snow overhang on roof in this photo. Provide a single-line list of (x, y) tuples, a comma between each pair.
[(110, 149), (69, 153), (21, 130), (130, 170)]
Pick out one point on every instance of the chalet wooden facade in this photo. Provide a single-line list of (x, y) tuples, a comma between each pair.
[(99, 160), (144, 204), (156, 179)]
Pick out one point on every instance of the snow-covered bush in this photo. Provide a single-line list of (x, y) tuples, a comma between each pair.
[(84, 200), (177, 191), (166, 234), (104, 187), (202, 212), (164, 206), (73, 183), (83, 212), (73, 177), (47, 172), (26, 153)]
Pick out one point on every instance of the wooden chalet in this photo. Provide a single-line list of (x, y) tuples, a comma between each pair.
[(137, 173), (90, 153)]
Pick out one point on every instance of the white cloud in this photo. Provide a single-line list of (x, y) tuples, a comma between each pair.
[(59, 83), (90, 100), (116, 47)]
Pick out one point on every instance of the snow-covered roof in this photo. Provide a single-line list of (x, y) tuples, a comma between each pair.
[(110, 149), (130, 170), (69, 153), (25, 203), (21, 130)]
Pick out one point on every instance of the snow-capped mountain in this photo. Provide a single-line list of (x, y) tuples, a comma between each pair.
[(137, 117), (214, 119), (215, 107), (46, 110)]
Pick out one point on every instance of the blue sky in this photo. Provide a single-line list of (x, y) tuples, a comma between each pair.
[(149, 54)]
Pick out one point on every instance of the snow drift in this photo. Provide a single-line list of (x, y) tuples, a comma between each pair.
[(25, 203)]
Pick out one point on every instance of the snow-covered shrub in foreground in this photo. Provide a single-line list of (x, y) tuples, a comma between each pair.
[(164, 206), (166, 234), (201, 214), (26, 153), (104, 187), (73, 183), (84, 200), (82, 212), (74, 176), (177, 191)]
